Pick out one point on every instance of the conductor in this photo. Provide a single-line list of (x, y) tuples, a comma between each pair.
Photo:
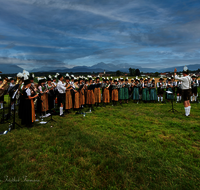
[(186, 89)]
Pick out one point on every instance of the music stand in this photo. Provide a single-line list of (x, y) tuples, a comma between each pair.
[(14, 122), (173, 110)]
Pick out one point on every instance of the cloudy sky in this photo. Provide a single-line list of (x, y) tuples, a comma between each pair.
[(57, 33)]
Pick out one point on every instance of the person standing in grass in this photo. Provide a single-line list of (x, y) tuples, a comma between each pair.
[(115, 93), (186, 89), (145, 91), (126, 90), (61, 94), (194, 84), (121, 90), (169, 87), (28, 109), (160, 89), (153, 93), (179, 91), (136, 89)]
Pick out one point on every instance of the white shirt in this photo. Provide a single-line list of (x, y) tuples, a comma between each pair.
[(28, 92), (61, 87), (186, 81)]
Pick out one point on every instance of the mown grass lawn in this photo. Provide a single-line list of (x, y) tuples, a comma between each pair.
[(134, 146)]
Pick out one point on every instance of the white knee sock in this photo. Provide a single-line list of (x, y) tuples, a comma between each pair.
[(1, 105), (158, 99), (189, 108), (161, 99), (177, 98), (61, 110), (12, 107), (191, 98), (180, 98), (195, 98), (186, 111)]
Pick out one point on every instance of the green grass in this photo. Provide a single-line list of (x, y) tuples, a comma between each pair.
[(136, 146)]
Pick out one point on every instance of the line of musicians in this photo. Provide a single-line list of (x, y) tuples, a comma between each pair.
[(75, 93)]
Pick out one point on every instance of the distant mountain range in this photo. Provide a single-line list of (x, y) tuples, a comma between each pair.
[(99, 67), (10, 68)]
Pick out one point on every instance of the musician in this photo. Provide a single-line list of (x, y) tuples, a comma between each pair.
[(43, 104), (174, 85), (145, 91), (68, 95), (153, 93), (50, 93), (160, 89), (136, 90), (131, 87), (85, 89), (126, 90), (90, 94), (31, 78), (1, 97), (169, 87), (72, 80), (115, 95), (28, 110), (97, 92), (61, 96), (141, 87), (55, 90), (179, 91), (106, 94), (194, 84), (110, 88), (76, 95), (121, 90), (82, 92), (186, 89)]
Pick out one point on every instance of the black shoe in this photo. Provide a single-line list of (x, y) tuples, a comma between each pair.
[(62, 115)]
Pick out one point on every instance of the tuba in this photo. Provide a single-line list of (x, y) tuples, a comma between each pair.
[(5, 86)]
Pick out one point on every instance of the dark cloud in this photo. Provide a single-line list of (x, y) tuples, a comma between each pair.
[(39, 33)]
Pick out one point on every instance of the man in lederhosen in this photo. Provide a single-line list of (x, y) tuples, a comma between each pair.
[(186, 89)]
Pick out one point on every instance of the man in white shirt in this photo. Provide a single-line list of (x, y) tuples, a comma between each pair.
[(61, 94), (186, 89)]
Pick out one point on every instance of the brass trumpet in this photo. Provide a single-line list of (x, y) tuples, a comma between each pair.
[(4, 85)]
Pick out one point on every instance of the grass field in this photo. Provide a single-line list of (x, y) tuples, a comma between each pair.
[(134, 146)]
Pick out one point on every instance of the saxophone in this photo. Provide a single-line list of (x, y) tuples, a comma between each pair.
[(4, 85)]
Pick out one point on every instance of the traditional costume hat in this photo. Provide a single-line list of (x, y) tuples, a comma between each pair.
[(107, 79), (161, 78), (185, 70), (98, 77), (122, 79), (75, 79), (72, 76), (126, 79), (145, 79), (141, 78), (26, 80), (132, 79), (59, 77), (111, 78), (194, 76), (153, 79), (115, 80)]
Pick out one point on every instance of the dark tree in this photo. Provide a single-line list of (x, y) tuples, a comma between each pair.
[(137, 72), (118, 73)]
